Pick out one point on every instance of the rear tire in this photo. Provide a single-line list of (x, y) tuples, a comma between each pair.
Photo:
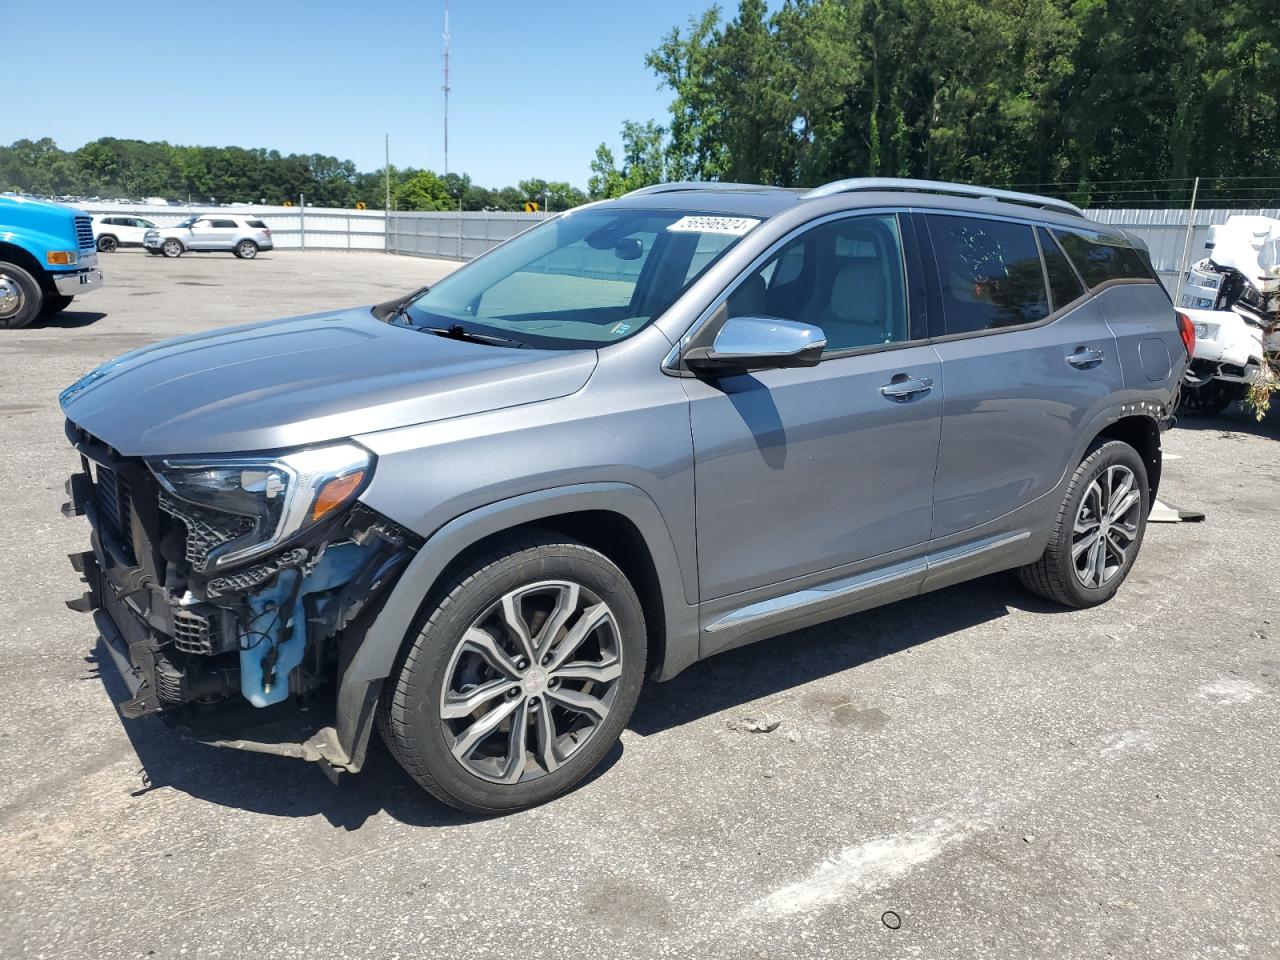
[(20, 296), (172, 249), (107, 244), (1210, 399), (1098, 530), (555, 706), (246, 250)]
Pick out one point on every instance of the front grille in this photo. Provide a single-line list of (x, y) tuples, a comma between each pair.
[(191, 632), (84, 233), (206, 529), (114, 505)]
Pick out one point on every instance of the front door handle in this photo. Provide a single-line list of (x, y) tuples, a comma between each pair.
[(902, 387), (1084, 358)]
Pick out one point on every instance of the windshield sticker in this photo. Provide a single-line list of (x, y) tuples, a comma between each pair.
[(620, 328), (733, 226)]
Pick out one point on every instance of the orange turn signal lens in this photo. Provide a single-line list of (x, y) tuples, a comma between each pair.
[(334, 494), (62, 258)]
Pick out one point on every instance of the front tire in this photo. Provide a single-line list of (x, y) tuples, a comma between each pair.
[(172, 249), (521, 677), (246, 250), (54, 303), (20, 296), (107, 244), (1098, 531)]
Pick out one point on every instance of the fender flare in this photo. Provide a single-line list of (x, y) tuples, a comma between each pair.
[(375, 658)]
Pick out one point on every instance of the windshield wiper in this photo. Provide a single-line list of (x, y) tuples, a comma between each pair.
[(458, 332)]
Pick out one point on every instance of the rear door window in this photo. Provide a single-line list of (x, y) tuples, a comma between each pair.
[(1101, 258), (1064, 285), (990, 273)]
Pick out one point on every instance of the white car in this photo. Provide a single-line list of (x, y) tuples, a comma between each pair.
[(228, 233), (112, 231)]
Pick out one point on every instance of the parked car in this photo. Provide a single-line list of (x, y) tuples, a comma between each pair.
[(209, 232), (112, 231), (47, 258), (644, 432)]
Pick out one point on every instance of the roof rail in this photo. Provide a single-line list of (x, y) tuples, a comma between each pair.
[(681, 186), (898, 184)]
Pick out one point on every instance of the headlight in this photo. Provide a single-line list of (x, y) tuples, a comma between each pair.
[(281, 495)]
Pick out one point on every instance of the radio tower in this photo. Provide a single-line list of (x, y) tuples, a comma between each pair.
[(446, 86)]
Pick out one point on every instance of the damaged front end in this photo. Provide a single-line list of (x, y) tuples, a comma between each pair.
[(232, 591)]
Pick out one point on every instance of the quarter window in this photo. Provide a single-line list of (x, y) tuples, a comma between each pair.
[(990, 272), (1101, 257), (1064, 285), (845, 276)]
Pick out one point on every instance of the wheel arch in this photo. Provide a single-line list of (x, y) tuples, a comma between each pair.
[(1143, 434), (618, 519), (16, 255)]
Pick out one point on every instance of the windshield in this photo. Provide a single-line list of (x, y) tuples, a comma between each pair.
[(585, 279), (187, 222)]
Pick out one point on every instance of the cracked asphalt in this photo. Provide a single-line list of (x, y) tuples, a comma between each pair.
[(994, 776)]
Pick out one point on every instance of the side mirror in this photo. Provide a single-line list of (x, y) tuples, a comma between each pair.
[(758, 343)]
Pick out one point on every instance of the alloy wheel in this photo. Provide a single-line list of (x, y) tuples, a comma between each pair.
[(531, 681), (1106, 526)]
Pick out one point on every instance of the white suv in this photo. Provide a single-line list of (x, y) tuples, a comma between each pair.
[(112, 232), (228, 233)]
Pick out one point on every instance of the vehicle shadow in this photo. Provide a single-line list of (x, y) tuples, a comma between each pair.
[(66, 320), (728, 680), (1235, 420), (279, 786)]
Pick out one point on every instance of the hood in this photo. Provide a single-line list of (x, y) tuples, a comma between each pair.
[(27, 215), (305, 380)]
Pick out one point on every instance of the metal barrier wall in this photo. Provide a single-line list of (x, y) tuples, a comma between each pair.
[(1165, 233), (464, 236)]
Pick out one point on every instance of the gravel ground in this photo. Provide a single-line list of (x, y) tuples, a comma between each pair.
[(971, 773)]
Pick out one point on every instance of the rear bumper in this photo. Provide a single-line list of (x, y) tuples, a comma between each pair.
[(81, 281)]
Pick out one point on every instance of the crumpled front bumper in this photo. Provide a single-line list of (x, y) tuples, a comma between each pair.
[(133, 638)]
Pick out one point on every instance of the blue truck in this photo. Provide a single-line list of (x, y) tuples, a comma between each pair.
[(47, 258)]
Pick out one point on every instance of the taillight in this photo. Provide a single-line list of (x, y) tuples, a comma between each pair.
[(1188, 331)]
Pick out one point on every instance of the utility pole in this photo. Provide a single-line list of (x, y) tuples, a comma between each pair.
[(1184, 264), (386, 207), (446, 87)]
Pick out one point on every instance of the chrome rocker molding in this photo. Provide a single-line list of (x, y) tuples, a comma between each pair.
[(863, 582)]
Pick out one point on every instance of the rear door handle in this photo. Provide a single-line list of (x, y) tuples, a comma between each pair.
[(1084, 358), (902, 387)]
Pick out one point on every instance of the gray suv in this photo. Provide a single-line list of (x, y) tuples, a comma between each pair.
[(646, 431)]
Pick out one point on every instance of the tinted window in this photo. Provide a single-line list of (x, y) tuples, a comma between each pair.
[(256, 224), (990, 272), (1100, 257), (223, 224), (845, 276), (1064, 285)]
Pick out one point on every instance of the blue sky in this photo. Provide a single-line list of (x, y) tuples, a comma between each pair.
[(536, 85)]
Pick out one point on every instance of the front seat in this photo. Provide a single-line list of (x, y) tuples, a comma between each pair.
[(855, 317)]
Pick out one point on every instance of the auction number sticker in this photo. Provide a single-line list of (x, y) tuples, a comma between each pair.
[(733, 226)]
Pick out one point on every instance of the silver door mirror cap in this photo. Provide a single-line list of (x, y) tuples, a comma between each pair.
[(758, 343)]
